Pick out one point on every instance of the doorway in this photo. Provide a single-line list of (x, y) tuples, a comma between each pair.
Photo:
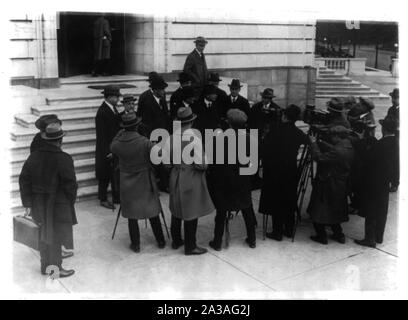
[(76, 46)]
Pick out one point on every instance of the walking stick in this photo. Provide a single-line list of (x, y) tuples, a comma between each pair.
[(116, 224)]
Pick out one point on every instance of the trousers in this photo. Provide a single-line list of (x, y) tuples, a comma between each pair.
[(134, 232), (190, 230)]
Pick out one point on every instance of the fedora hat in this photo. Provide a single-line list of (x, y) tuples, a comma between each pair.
[(335, 105), (158, 83), (53, 132), (367, 103), (185, 114), (200, 39), (42, 122), (214, 77), (128, 98), (111, 90), (152, 75), (235, 84), (267, 93), (129, 119), (390, 123), (184, 77), (395, 93), (236, 117)]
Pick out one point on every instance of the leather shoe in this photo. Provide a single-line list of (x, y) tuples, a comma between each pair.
[(340, 238), (274, 236), (195, 251), (365, 243), (134, 248), (65, 273), (107, 204), (319, 240), (66, 254), (213, 245), (251, 244), (161, 244), (379, 241), (177, 244)]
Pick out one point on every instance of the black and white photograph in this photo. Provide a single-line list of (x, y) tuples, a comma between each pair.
[(212, 151)]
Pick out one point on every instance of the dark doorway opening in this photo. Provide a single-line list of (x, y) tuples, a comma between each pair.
[(76, 46)]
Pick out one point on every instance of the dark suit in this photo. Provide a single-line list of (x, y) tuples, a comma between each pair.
[(240, 103), (208, 117), (154, 115), (107, 126), (377, 176), (196, 67), (175, 99)]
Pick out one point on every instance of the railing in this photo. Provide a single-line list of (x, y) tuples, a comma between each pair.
[(343, 65)]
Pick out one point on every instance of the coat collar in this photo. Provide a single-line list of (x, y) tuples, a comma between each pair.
[(47, 147)]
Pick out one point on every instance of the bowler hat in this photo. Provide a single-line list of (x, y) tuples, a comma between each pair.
[(267, 93), (367, 103), (335, 105), (111, 90), (158, 83), (187, 92), (152, 75), (200, 40), (292, 112), (214, 77), (390, 123), (128, 98), (235, 84), (185, 114), (236, 117), (53, 132), (209, 89), (129, 119), (395, 93), (184, 77), (42, 122)]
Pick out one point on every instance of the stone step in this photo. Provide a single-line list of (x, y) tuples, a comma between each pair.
[(319, 80), (80, 106), (330, 75), (348, 92), (88, 80), (77, 153), (28, 120), (340, 87), (351, 84), (326, 72)]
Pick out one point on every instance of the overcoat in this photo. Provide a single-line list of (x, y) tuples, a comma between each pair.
[(175, 101), (102, 39), (196, 67), (240, 103), (280, 169), (208, 117), (139, 195), (264, 121), (107, 126), (328, 201), (48, 186), (189, 197)]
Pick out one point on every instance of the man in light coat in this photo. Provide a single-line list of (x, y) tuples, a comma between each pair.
[(195, 64)]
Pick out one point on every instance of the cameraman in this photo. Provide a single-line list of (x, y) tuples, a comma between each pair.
[(336, 116), (328, 201)]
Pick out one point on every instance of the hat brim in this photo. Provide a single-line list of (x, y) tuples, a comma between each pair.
[(116, 95), (267, 96), (193, 117), (334, 110), (137, 122), (234, 87), (200, 41), (44, 136)]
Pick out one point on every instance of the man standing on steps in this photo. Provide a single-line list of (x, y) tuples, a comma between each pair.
[(196, 65), (41, 123), (107, 124)]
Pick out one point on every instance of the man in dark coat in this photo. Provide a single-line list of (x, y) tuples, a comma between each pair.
[(214, 79), (139, 194), (41, 124), (48, 190), (107, 122), (377, 176), (328, 201), (229, 190), (185, 81), (337, 116), (102, 46), (195, 64), (155, 115), (393, 111), (235, 100), (280, 174)]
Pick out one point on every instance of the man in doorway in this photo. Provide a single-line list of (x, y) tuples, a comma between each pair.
[(196, 65), (102, 46)]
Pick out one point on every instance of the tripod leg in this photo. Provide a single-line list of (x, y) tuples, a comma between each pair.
[(116, 224), (165, 224)]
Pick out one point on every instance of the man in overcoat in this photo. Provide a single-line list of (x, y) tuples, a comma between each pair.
[(185, 81), (229, 190), (195, 64), (377, 175), (235, 100), (393, 111), (41, 124), (102, 46), (328, 202), (189, 197), (48, 190), (214, 80), (281, 175), (107, 122), (139, 193)]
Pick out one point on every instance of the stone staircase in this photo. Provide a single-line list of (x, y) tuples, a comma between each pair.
[(330, 84), (76, 105)]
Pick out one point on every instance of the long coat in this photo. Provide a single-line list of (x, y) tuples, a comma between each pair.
[(208, 118), (240, 103), (263, 121), (153, 114), (48, 186), (196, 67), (377, 175), (189, 197), (328, 201), (229, 189), (175, 101), (102, 39), (139, 196), (280, 169), (107, 126)]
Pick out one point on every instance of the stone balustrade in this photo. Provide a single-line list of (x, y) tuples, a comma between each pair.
[(355, 66)]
